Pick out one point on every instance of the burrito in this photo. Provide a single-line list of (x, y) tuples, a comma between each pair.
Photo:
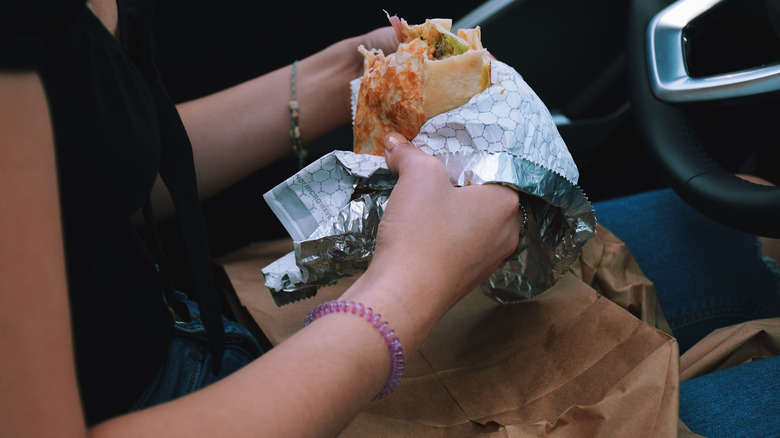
[(432, 72), (475, 114)]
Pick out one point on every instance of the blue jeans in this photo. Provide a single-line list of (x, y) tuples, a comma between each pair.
[(747, 405), (189, 364), (707, 276)]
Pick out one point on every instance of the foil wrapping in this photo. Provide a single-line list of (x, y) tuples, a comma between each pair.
[(332, 208)]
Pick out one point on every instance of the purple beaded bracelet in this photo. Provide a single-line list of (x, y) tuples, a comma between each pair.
[(393, 344)]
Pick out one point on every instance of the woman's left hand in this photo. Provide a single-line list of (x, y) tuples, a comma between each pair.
[(383, 38), (239, 130)]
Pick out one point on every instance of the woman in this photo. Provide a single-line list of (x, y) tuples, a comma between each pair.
[(86, 129)]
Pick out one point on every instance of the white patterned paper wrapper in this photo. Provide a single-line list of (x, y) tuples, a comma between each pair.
[(505, 135)]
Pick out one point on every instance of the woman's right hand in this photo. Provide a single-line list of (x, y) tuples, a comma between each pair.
[(435, 243), (454, 237)]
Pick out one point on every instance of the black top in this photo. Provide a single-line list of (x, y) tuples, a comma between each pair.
[(114, 129)]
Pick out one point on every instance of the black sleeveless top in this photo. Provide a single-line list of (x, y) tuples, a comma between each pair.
[(114, 129)]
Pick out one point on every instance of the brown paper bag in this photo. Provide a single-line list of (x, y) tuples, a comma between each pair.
[(570, 363), (593, 356), (730, 346)]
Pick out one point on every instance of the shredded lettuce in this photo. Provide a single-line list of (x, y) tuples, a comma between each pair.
[(449, 45)]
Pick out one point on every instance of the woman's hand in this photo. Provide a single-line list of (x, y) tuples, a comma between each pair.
[(452, 236), (236, 131), (384, 39), (435, 242)]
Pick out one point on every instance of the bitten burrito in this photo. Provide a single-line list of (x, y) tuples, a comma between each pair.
[(475, 114), (432, 72)]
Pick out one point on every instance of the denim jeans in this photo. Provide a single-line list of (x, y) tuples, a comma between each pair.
[(748, 402), (189, 364), (707, 276)]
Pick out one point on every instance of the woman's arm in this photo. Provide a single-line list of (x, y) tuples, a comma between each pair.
[(314, 383), (38, 392), (38, 387), (239, 130)]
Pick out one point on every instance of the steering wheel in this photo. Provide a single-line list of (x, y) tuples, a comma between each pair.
[(664, 98)]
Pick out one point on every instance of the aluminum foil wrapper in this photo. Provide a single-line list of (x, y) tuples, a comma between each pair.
[(505, 134)]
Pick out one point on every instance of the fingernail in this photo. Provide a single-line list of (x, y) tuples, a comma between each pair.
[(393, 139)]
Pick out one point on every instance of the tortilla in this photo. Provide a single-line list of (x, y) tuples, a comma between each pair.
[(432, 72)]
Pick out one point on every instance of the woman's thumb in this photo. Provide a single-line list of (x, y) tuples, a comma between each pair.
[(397, 150)]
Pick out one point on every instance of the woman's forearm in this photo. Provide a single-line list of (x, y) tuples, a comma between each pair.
[(312, 384), (239, 130)]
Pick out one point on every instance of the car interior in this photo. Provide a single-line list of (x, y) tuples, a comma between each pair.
[(595, 64), (647, 94)]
